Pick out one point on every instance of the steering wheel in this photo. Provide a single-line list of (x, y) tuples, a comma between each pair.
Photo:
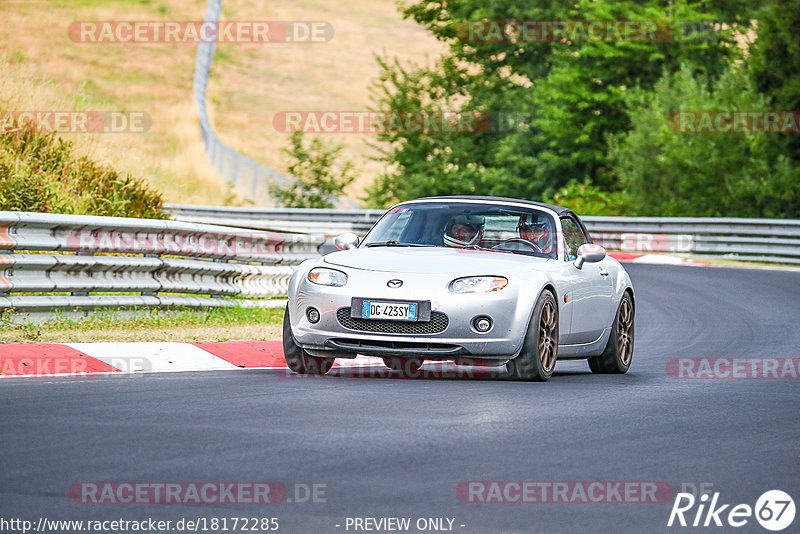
[(518, 240)]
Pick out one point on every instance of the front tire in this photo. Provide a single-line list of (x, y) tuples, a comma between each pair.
[(298, 360), (537, 359), (618, 354)]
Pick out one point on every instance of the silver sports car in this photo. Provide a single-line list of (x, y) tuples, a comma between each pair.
[(473, 280)]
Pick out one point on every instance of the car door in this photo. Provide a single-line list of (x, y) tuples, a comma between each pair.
[(589, 289)]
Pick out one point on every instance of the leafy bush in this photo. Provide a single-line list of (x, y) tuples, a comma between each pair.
[(668, 173), (568, 96), (588, 199), (39, 172), (318, 184)]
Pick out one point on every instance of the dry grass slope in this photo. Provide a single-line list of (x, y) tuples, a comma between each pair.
[(42, 69)]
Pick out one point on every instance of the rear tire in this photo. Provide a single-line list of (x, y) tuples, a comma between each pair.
[(408, 367), (298, 360), (537, 359), (618, 354)]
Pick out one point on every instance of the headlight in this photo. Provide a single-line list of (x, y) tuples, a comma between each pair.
[(478, 284), (327, 277)]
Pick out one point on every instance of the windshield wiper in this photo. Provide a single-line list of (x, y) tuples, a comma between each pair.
[(394, 243)]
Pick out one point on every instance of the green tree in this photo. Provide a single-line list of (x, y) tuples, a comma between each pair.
[(775, 62), (317, 184), (588, 199), (568, 97), (582, 100), (669, 173)]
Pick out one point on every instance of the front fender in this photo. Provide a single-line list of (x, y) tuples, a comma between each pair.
[(530, 289), (298, 276), (622, 280)]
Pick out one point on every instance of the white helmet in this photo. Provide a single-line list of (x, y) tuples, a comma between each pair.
[(473, 222)]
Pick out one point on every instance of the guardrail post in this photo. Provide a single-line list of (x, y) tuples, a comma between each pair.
[(150, 293), (218, 260), (81, 293)]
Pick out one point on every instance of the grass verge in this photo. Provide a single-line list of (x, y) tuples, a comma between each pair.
[(150, 324)]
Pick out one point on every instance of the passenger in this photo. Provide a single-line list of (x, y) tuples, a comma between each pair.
[(463, 231)]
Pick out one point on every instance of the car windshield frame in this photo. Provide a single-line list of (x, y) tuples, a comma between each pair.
[(425, 223)]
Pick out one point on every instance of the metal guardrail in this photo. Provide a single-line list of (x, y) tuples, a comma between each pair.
[(60, 262), (765, 240), (326, 221), (167, 263)]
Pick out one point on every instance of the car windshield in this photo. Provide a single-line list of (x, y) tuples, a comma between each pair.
[(476, 226)]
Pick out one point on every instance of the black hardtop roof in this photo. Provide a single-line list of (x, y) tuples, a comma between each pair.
[(561, 210)]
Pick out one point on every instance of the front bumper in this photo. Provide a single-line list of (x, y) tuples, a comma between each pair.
[(459, 338)]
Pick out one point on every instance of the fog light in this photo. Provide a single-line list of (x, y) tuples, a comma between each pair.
[(313, 315), (482, 324)]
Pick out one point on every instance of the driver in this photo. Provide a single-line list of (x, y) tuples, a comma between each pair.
[(463, 231), (537, 231)]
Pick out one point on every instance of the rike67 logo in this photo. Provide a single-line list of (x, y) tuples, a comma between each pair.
[(774, 510)]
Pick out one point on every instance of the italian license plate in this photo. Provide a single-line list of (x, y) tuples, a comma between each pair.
[(402, 311)]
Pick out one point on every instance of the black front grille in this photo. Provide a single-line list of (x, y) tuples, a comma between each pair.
[(436, 325)]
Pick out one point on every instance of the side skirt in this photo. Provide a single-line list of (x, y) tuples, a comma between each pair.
[(584, 350)]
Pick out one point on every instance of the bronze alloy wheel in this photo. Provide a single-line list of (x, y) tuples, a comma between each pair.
[(625, 332), (618, 354), (547, 333), (537, 357)]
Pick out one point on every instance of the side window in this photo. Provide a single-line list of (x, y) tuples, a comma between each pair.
[(574, 238)]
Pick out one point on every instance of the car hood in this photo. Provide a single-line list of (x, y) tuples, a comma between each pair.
[(433, 260)]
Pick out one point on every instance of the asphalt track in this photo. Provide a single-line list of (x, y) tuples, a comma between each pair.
[(390, 447)]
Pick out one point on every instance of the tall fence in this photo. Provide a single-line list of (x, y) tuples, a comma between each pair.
[(63, 262), (765, 240), (240, 170)]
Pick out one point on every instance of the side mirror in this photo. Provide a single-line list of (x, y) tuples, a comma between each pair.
[(346, 241), (589, 253)]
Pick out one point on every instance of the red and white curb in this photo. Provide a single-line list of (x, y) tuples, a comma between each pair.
[(80, 359), (655, 259)]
